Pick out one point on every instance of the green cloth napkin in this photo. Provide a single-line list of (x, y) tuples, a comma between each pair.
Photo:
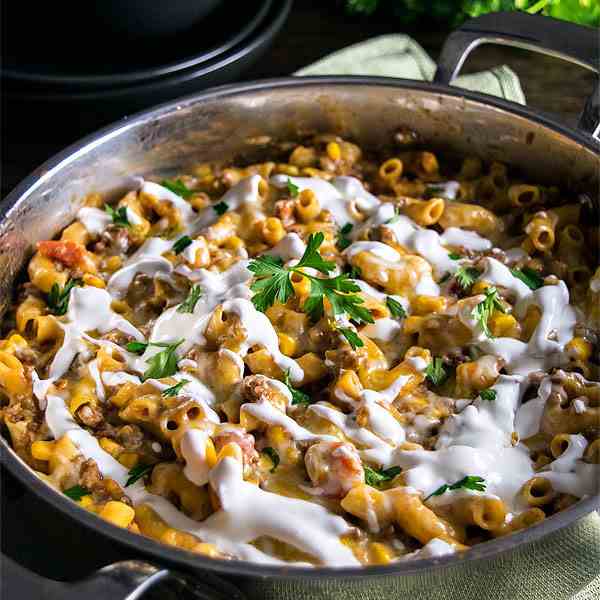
[(400, 56), (564, 565)]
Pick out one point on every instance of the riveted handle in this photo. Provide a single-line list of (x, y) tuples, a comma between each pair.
[(574, 43)]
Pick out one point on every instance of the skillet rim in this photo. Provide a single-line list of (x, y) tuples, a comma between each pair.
[(195, 562)]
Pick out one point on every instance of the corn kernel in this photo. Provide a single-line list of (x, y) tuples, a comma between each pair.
[(287, 344), (117, 513), (94, 280), (334, 151), (412, 324), (110, 446), (129, 459), (479, 287), (579, 349)]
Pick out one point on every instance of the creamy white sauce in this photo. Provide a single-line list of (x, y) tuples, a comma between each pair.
[(89, 310), (147, 259), (431, 549), (337, 197), (94, 219), (289, 247), (246, 513)]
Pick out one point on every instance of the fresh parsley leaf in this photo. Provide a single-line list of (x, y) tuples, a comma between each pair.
[(58, 299), (353, 272), (177, 187), (529, 277), (181, 244), (137, 347), (293, 189), (454, 256), (435, 371), (483, 311), (76, 492), (376, 477), (466, 276), (137, 472), (312, 258), (174, 389), (470, 482), (352, 337), (221, 208), (272, 283), (188, 305), (118, 216), (488, 394), (163, 363), (396, 309), (273, 456), (298, 397), (343, 240)]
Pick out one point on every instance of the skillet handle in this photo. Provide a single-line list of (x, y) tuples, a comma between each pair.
[(574, 43), (126, 580)]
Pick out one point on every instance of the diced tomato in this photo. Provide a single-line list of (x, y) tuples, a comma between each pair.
[(67, 252)]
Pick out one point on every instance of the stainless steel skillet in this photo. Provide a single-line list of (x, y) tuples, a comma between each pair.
[(244, 120)]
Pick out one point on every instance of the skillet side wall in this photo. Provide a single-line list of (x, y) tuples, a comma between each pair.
[(241, 121)]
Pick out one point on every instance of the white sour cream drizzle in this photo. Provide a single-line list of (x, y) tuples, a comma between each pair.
[(94, 219), (430, 244), (341, 197), (89, 310), (431, 549), (246, 513)]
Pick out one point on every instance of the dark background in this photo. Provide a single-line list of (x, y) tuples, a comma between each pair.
[(316, 28), (32, 532)]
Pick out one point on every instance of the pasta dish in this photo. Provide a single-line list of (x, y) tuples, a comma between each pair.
[(324, 359)]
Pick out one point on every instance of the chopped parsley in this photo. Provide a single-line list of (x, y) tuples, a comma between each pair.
[(435, 371), (273, 457), (483, 311), (221, 208), (163, 363), (174, 389), (177, 187), (489, 394), (454, 256), (76, 492), (376, 477), (298, 397), (396, 309), (351, 337), (137, 347), (293, 189), (181, 244), (118, 216), (532, 279), (272, 284), (137, 472), (466, 276), (58, 299), (353, 272), (470, 482), (343, 240), (188, 305)]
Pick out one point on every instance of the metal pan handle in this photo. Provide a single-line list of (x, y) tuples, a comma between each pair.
[(126, 580), (574, 43)]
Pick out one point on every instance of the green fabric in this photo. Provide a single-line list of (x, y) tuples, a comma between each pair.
[(564, 565), (400, 56)]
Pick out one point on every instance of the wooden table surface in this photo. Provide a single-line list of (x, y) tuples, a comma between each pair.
[(314, 29)]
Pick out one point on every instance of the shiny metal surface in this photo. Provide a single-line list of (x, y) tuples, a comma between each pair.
[(243, 121)]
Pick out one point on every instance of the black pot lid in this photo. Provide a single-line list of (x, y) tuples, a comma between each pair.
[(117, 62)]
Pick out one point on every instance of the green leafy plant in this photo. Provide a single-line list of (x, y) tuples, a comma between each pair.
[(58, 299), (188, 305), (76, 492), (435, 371), (174, 390), (272, 284), (177, 187), (137, 472), (376, 477), (273, 457), (483, 311), (181, 244), (453, 12), (470, 482), (298, 396), (119, 215)]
